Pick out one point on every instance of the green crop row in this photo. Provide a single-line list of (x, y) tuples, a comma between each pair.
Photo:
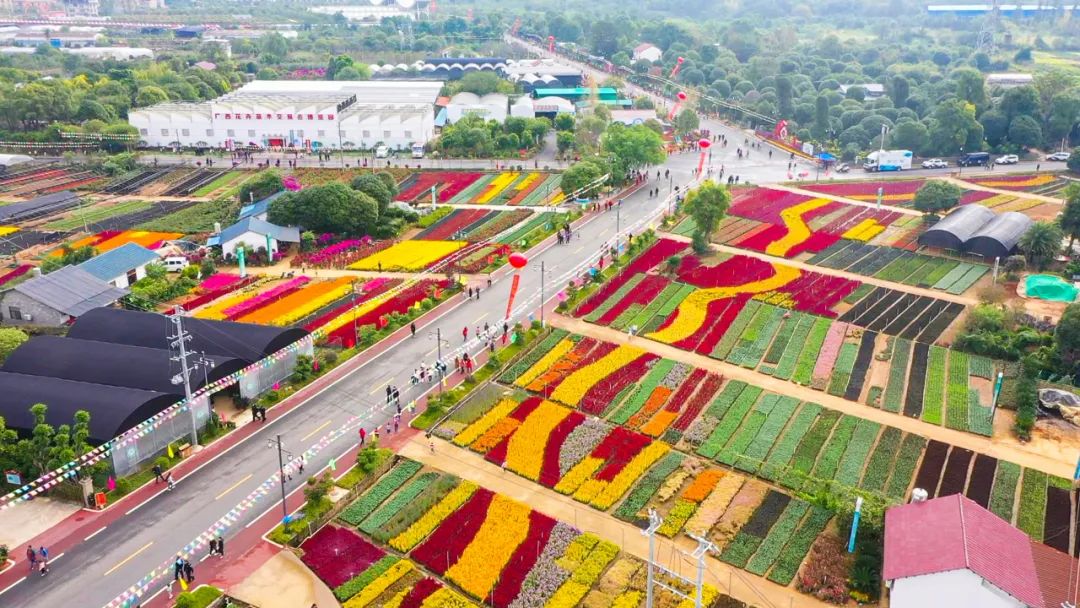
[(841, 372), (982, 367), (784, 449), (530, 358), (725, 398), (754, 455), (614, 298), (786, 367), (622, 322), (749, 429), (1032, 504), (910, 449), (669, 307), (829, 459), (940, 272), (653, 307), (409, 493), (729, 423), (804, 369), (783, 337), (794, 552), (807, 452), (376, 494), (1003, 496), (642, 391), (739, 550), (733, 333), (357, 583), (649, 484), (934, 392), (881, 461), (894, 392), (956, 392), (850, 469), (778, 537)]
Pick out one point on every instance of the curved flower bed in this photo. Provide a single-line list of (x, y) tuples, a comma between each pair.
[(300, 303), (217, 281)]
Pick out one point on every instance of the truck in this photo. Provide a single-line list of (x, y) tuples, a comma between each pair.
[(888, 160), (417, 150)]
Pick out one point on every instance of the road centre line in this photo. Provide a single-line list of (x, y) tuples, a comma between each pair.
[(128, 558), (234, 486), (321, 427)]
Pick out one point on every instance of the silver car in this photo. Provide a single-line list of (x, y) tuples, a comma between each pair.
[(935, 163)]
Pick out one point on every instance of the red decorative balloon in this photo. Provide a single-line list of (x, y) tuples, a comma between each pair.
[(681, 95), (551, 37), (518, 260), (681, 60), (704, 144)]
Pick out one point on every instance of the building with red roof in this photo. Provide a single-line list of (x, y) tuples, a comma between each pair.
[(951, 552)]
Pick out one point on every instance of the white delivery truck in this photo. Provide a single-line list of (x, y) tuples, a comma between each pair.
[(888, 160), (418, 150)]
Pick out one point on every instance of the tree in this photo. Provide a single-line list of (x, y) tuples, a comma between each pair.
[(910, 135), (261, 186), (582, 179), (1041, 243), (855, 92), (632, 148), (686, 121), (273, 47), (564, 121), (970, 86), (899, 91), (707, 204), (995, 126), (605, 37), (1069, 220), (1074, 161), (821, 116), (333, 207), (353, 72), (1067, 337), (10, 339), (150, 95), (47, 447), (482, 83), (337, 64), (1020, 101), (374, 187), (1025, 131), (564, 141), (953, 125), (1049, 83), (935, 196), (784, 96), (1064, 115)]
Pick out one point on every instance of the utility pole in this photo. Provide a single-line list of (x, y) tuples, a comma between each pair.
[(281, 453), (705, 546), (179, 341), (654, 524), (542, 300), (703, 549), (618, 223)]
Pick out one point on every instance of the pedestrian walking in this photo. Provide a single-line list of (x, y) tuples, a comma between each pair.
[(489, 282), (169, 481), (389, 393), (178, 566), (465, 334), (477, 292), (412, 327), (31, 557), (300, 466), (189, 572), (158, 477), (363, 435), (470, 293), (220, 546)]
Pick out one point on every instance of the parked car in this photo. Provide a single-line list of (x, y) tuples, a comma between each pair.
[(1008, 159), (382, 152), (934, 163), (1058, 157), (843, 168)]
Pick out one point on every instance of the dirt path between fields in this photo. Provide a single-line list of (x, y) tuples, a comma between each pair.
[(737, 583), (1049, 456), (919, 291)]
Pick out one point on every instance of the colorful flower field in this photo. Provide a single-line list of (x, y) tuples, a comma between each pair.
[(340, 254), (493, 550), (473, 225), (896, 193), (15, 273), (417, 187), (510, 188), (896, 265), (381, 298), (408, 255), (109, 240), (1018, 183)]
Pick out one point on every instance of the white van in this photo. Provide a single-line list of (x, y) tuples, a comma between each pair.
[(382, 152), (175, 263), (418, 150)]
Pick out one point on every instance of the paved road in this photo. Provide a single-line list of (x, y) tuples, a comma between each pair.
[(109, 562)]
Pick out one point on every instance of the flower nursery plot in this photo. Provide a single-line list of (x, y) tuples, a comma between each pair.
[(494, 550), (528, 188), (447, 184), (895, 193), (409, 255), (109, 240), (1020, 183), (473, 225)]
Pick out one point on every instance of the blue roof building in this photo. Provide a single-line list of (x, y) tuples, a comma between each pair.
[(122, 266), (254, 233), (259, 209)]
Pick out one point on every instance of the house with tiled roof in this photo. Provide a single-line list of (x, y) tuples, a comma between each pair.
[(647, 51), (951, 552)]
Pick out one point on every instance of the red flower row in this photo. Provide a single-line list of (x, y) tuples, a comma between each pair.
[(645, 291), (736, 270), (458, 219), (702, 398), (604, 392), (420, 592), (443, 548), (521, 561), (617, 450), (210, 296), (14, 274), (657, 253), (397, 304), (549, 471), (348, 305), (450, 182), (338, 554), (724, 311)]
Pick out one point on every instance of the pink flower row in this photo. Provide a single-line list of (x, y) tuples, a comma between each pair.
[(217, 281), (264, 298), (830, 349)]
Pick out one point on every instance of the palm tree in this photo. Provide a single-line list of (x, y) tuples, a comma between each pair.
[(1041, 243), (1069, 220)]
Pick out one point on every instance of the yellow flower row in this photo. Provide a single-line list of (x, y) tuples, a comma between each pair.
[(573, 389), (607, 493), (350, 316), (445, 597), (525, 452), (578, 475), (529, 179), (864, 230), (545, 362), (504, 528), (693, 311), (377, 586), (584, 576), (427, 523), (6, 230), (1037, 180), (798, 231), (628, 599), (473, 432), (395, 602), (708, 596), (331, 292), (408, 255), (496, 186), (216, 311)]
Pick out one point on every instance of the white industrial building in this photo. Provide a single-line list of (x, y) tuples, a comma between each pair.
[(493, 106), (297, 114)]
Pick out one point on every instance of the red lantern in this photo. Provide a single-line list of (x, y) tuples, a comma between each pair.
[(681, 60), (681, 95), (704, 144), (518, 260)]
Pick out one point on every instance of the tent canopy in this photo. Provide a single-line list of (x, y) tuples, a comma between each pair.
[(113, 409), (112, 364), (245, 341), (1000, 236)]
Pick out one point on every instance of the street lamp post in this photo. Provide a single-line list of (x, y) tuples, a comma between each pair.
[(960, 162), (542, 299)]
